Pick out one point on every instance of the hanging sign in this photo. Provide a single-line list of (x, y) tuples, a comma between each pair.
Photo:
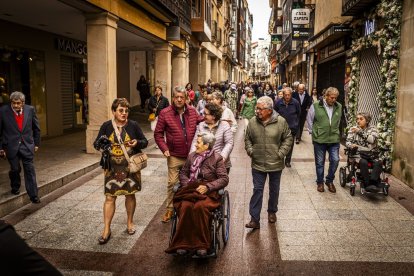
[(276, 39), (300, 16)]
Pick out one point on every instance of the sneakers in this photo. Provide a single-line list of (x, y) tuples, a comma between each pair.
[(167, 216)]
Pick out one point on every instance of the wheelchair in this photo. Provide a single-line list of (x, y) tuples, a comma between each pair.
[(219, 226), (350, 174)]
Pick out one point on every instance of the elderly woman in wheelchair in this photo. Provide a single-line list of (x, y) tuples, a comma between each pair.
[(363, 152), (203, 174)]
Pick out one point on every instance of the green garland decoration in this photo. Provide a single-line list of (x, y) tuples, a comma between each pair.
[(387, 42)]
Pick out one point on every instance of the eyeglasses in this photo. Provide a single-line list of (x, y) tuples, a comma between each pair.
[(261, 109), (123, 110)]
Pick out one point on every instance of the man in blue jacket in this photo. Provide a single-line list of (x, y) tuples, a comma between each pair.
[(289, 109)]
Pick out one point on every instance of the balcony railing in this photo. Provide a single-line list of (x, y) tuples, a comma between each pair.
[(356, 7), (182, 9)]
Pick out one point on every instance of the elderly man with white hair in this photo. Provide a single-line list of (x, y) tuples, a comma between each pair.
[(268, 140), (305, 101)]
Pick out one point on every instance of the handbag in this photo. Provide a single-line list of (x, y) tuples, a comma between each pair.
[(152, 116), (136, 162)]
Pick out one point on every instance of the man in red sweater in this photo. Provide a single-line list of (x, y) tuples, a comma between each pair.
[(173, 134), (19, 139)]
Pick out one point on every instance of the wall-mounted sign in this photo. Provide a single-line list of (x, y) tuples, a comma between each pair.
[(370, 27), (71, 46), (300, 34), (276, 39), (300, 16), (342, 29)]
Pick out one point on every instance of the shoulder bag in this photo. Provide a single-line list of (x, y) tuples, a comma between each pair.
[(152, 116), (136, 162)]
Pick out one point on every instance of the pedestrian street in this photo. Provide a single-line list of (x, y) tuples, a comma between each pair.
[(315, 233)]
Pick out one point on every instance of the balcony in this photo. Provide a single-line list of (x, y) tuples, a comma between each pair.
[(173, 12), (201, 19), (356, 7)]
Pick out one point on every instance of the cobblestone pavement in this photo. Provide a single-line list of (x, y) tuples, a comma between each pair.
[(315, 234)]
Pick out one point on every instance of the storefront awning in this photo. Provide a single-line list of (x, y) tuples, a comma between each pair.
[(330, 34)]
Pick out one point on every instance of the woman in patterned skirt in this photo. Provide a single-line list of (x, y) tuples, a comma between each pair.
[(118, 180)]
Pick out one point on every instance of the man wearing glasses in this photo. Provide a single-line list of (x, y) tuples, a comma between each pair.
[(268, 140)]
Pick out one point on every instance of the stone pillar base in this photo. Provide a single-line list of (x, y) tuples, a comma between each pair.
[(91, 133)]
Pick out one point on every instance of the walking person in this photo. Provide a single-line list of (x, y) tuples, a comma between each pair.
[(19, 140), (268, 91), (221, 131), (190, 93), (231, 96), (305, 102), (144, 91), (323, 121), (289, 109), (118, 180), (267, 142), (173, 135), (248, 108), (227, 115), (156, 103)]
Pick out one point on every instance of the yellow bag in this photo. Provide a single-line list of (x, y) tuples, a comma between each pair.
[(151, 117)]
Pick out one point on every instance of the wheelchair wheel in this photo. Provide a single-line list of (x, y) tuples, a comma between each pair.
[(352, 191), (342, 176), (225, 219)]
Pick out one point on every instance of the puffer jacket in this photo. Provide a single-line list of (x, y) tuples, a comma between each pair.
[(170, 134), (267, 145)]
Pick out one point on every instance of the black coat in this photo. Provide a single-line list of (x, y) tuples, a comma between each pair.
[(163, 103), (307, 101)]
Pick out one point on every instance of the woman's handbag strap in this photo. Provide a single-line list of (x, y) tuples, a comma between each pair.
[(118, 136)]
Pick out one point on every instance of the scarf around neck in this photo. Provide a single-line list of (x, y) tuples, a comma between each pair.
[(195, 167)]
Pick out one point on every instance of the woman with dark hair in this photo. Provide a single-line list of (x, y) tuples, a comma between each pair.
[(363, 138), (144, 91), (156, 103), (190, 93), (221, 129), (118, 180), (202, 175), (268, 91)]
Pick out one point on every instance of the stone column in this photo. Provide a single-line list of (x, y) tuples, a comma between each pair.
[(163, 68), (179, 69), (102, 84), (203, 66), (194, 66), (214, 69)]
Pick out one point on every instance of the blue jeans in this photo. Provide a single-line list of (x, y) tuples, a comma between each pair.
[(259, 180), (320, 154)]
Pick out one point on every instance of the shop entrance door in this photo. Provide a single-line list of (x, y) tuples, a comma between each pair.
[(67, 88)]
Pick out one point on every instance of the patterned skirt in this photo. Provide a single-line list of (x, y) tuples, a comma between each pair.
[(118, 180)]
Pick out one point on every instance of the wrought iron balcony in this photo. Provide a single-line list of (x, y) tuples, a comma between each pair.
[(182, 10), (356, 7)]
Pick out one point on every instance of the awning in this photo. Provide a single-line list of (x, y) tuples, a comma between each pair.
[(330, 34)]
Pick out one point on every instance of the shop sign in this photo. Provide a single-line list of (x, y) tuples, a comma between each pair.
[(342, 29), (370, 26), (71, 46), (300, 34), (276, 39), (300, 16)]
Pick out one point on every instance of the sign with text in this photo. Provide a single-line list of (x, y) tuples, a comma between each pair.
[(276, 39), (300, 34), (300, 16)]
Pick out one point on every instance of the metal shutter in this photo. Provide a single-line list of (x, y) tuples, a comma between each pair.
[(66, 87), (369, 85)]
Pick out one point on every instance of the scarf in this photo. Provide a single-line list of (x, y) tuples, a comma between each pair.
[(195, 167)]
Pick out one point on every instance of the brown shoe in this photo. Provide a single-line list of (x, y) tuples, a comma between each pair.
[(167, 216), (253, 224), (272, 217), (320, 188), (331, 187)]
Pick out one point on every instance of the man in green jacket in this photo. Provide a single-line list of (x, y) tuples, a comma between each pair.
[(268, 140), (323, 120)]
